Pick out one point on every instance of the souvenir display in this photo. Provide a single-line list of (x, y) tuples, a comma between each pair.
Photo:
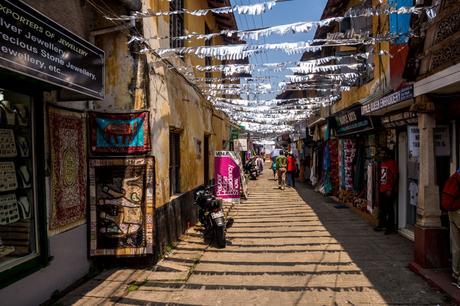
[(120, 133), (8, 114), (68, 169), (25, 177), (5, 249), (121, 211), (9, 212), (8, 179), (24, 207), (22, 113), (7, 144), (23, 146)]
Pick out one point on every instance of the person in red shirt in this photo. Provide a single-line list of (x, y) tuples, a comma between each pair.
[(387, 191), (291, 170), (450, 201)]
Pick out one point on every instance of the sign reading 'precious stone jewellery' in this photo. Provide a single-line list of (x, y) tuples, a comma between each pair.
[(32, 44)]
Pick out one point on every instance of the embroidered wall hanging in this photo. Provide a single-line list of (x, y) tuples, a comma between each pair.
[(120, 133), (68, 169), (121, 206)]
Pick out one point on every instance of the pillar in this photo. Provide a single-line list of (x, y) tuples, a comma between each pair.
[(431, 239)]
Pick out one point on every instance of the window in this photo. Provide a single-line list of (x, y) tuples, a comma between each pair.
[(174, 162), (18, 217), (176, 23), (208, 59)]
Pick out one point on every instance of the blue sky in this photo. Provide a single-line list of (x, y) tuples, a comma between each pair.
[(282, 13)]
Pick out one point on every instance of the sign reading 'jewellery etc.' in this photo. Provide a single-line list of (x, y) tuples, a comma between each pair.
[(399, 96), (34, 45)]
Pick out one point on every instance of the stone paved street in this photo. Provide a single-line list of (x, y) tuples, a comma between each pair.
[(286, 248)]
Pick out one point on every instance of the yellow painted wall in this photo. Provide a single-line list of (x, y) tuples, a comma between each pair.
[(381, 80), (174, 103)]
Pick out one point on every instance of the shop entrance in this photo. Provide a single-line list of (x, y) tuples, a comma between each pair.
[(408, 187)]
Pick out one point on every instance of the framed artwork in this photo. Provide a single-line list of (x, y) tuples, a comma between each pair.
[(121, 206), (127, 133)]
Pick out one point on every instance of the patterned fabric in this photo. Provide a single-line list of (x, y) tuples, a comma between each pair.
[(68, 169), (121, 206), (120, 133)]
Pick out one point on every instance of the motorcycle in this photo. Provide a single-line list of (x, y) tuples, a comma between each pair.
[(211, 215), (251, 169)]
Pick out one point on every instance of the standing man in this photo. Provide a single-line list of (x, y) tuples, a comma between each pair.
[(281, 166), (291, 169), (450, 201), (387, 192)]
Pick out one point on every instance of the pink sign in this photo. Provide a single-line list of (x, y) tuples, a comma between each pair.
[(228, 176)]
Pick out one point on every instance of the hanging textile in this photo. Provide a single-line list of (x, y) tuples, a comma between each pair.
[(68, 169)]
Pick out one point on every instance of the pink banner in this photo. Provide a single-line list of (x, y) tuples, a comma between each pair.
[(228, 176)]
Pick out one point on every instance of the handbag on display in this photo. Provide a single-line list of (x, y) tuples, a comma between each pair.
[(9, 212), (8, 179), (8, 114)]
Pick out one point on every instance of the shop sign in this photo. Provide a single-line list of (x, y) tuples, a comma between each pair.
[(399, 119), (241, 144), (228, 176), (352, 122), (399, 96), (34, 45), (441, 141)]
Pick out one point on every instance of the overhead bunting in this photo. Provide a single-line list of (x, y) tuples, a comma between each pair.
[(252, 9)]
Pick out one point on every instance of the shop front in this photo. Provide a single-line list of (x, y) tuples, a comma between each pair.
[(39, 56), (357, 166), (401, 138)]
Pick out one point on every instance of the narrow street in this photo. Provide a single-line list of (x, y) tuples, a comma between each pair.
[(289, 247)]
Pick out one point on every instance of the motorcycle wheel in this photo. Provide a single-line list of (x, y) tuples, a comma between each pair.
[(219, 234)]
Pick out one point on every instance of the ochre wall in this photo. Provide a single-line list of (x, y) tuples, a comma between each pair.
[(176, 104), (380, 83)]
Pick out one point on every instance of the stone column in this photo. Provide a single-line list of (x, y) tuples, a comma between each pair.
[(431, 240)]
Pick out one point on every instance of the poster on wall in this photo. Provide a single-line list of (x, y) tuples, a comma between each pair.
[(240, 144), (127, 133), (441, 141), (227, 176), (67, 131), (121, 206)]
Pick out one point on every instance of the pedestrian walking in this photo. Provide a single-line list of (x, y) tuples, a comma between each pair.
[(281, 166), (274, 167), (387, 192), (450, 201), (291, 170)]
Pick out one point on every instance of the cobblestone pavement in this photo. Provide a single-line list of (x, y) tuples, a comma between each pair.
[(286, 247)]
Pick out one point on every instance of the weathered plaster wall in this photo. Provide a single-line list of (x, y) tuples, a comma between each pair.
[(380, 83), (176, 104)]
